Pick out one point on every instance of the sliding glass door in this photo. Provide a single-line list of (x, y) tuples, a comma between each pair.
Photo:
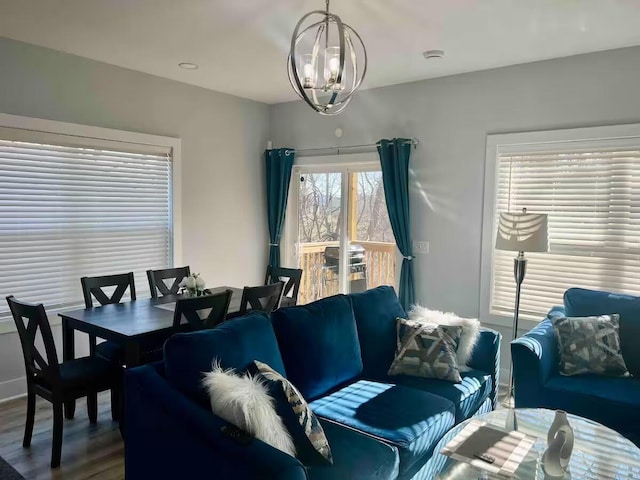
[(338, 231)]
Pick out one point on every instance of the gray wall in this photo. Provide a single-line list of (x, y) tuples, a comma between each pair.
[(451, 117), (223, 207)]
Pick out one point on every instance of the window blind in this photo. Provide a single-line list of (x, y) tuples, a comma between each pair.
[(73, 207), (592, 198)]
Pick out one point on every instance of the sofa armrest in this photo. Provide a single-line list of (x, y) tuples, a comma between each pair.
[(169, 436), (486, 358), (556, 312), (535, 359)]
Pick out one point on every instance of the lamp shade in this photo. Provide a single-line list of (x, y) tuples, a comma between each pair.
[(522, 232)]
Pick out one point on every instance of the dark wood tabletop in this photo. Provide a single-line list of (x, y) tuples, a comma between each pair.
[(132, 324), (129, 322)]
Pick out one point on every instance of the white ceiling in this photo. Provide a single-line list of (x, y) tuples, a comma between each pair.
[(241, 45)]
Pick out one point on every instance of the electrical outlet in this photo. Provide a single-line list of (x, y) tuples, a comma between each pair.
[(421, 247)]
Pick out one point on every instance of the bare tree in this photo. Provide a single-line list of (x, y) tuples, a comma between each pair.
[(320, 215)]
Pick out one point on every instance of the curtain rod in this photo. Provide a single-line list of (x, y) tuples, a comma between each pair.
[(337, 150)]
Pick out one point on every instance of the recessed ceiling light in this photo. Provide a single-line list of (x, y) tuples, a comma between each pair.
[(429, 54), (188, 66)]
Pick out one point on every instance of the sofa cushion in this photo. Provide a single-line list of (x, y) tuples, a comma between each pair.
[(245, 401), (319, 344), (467, 396), (590, 345), (579, 302), (356, 456), (311, 444), (426, 350), (376, 311), (614, 402), (411, 420), (236, 344)]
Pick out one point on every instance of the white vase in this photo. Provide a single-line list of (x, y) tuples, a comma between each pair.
[(560, 438)]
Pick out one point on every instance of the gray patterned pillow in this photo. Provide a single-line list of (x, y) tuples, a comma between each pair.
[(311, 444), (590, 345), (426, 350)]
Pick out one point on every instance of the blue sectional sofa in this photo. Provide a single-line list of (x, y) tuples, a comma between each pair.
[(337, 352), (611, 401)]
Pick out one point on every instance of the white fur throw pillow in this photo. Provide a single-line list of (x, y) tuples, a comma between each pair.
[(243, 401), (470, 330)]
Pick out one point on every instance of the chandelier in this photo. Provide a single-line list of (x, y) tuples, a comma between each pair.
[(326, 43)]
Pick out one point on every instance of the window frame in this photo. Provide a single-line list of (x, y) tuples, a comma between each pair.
[(618, 136), (99, 133), (340, 163)]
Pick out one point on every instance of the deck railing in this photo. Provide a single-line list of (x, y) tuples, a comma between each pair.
[(319, 281)]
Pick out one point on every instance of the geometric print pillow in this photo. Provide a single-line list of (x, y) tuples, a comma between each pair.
[(590, 345), (312, 446), (426, 350)]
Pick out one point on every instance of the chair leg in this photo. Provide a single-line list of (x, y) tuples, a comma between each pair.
[(69, 409), (92, 407), (31, 413), (115, 404), (56, 448)]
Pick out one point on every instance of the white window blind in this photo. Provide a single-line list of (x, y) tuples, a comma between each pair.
[(592, 197), (73, 207)]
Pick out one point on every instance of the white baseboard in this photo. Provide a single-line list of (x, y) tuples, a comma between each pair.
[(13, 388)]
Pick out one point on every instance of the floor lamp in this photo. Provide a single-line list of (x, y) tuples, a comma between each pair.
[(520, 232)]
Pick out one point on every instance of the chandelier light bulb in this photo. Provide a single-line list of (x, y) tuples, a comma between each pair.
[(332, 59), (308, 71), (322, 41)]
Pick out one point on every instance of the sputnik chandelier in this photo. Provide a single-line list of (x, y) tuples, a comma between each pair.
[(322, 40)]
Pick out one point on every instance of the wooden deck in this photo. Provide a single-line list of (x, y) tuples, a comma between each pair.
[(88, 451), (317, 282)]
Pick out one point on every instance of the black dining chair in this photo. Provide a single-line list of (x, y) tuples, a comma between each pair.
[(157, 278), (57, 382), (292, 278), (264, 298), (203, 312), (93, 287)]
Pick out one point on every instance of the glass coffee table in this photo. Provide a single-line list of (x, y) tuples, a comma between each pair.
[(599, 453)]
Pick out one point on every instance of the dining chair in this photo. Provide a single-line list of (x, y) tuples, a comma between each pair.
[(203, 312), (57, 382), (265, 298), (93, 287), (157, 278), (292, 278)]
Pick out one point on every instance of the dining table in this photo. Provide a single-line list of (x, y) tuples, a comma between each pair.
[(131, 324)]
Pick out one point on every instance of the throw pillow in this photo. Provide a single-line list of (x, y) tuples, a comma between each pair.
[(308, 436), (243, 401), (426, 350), (468, 338), (590, 345)]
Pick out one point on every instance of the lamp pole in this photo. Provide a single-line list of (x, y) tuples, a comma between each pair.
[(519, 271)]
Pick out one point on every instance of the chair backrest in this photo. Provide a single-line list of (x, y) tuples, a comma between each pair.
[(92, 287), (265, 298), (202, 312), (157, 279), (30, 318), (291, 276)]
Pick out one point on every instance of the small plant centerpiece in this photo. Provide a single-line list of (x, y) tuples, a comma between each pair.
[(193, 286)]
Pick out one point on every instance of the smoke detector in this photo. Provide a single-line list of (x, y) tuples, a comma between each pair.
[(188, 66), (429, 54)]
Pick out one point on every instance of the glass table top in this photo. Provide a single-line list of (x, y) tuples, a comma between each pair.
[(599, 453)]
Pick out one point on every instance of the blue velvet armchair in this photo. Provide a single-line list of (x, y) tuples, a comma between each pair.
[(611, 401)]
